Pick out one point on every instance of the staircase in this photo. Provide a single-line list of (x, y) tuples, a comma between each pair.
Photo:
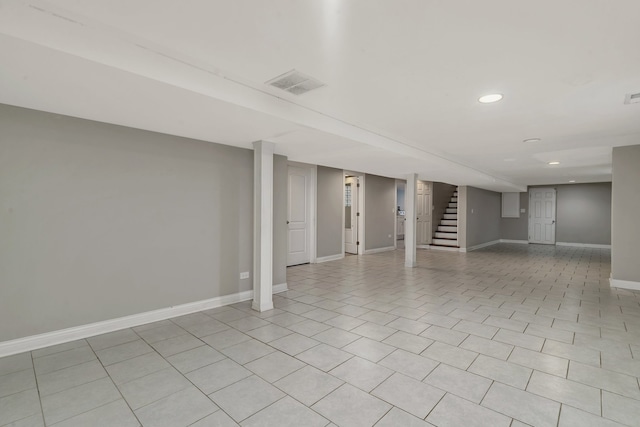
[(447, 231)]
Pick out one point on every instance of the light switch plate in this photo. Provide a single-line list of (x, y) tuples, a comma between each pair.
[(244, 275)]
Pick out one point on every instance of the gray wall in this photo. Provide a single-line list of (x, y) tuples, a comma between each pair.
[(401, 188), (462, 215), (330, 206), (379, 208), (516, 228), (624, 214), (100, 221), (583, 215), (441, 196), (280, 229), (483, 209)]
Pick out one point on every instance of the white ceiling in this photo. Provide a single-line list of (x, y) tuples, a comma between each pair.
[(402, 79)]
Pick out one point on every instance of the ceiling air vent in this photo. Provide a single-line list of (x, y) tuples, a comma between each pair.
[(295, 82), (632, 98)]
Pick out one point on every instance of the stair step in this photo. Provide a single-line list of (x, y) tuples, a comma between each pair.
[(450, 216), (454, 199), (453, 205), (455, 194), (445, 242), (451, 210), (448, 236), (447, 229), (449, 222)]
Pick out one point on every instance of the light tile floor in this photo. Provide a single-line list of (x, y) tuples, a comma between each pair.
[(510, 335)]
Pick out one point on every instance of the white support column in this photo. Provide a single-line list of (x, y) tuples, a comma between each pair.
[(410, 221), (262, 226)]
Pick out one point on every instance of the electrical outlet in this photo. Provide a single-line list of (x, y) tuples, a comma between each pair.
[(244, 275)]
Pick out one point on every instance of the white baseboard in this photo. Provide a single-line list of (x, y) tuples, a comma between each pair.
[(422, 246), (443, 248), (583, 245), (280, 287), (34, 342), (378, 250), (480, 246), (624, 284), (329, 258), (522, 242)]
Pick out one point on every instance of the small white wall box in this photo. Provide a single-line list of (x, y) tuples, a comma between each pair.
[(510, 205)]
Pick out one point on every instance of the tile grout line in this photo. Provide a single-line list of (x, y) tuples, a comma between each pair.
[(33, 366), (116, 387)]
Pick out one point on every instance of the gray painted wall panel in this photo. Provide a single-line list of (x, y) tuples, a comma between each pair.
[(100, 221), (330, 205), (380, 216), (483, 216), (517, 228), (462, 215), (280, 178), (583, 213), (625, 212)]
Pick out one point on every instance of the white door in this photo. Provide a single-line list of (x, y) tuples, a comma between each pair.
[(542, 215), (351, 215), (299, 216), (423, 213)]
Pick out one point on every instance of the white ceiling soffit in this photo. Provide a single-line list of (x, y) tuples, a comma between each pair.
[(45, 24), (404, 92)]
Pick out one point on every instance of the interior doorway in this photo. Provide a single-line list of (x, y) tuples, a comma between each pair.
[(300, 214), (542, 216), (353, 213), (424, 210)]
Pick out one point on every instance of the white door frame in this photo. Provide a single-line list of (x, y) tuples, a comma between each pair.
[(428, 208), (399, 182), (361, 202), (311, 205), (555, 213)]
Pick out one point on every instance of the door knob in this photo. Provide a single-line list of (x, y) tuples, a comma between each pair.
[(287, 222)]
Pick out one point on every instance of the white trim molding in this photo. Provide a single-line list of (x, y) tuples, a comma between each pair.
[(522, 242), (480, 246), (583, 245), (443, 248), (329, 258), (624, 284), (378, 250), (34, 342), (280, 287)]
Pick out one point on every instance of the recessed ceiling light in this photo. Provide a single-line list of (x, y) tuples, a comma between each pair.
[(487, 99), (532, 140), (554, 163), (572, 181)]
